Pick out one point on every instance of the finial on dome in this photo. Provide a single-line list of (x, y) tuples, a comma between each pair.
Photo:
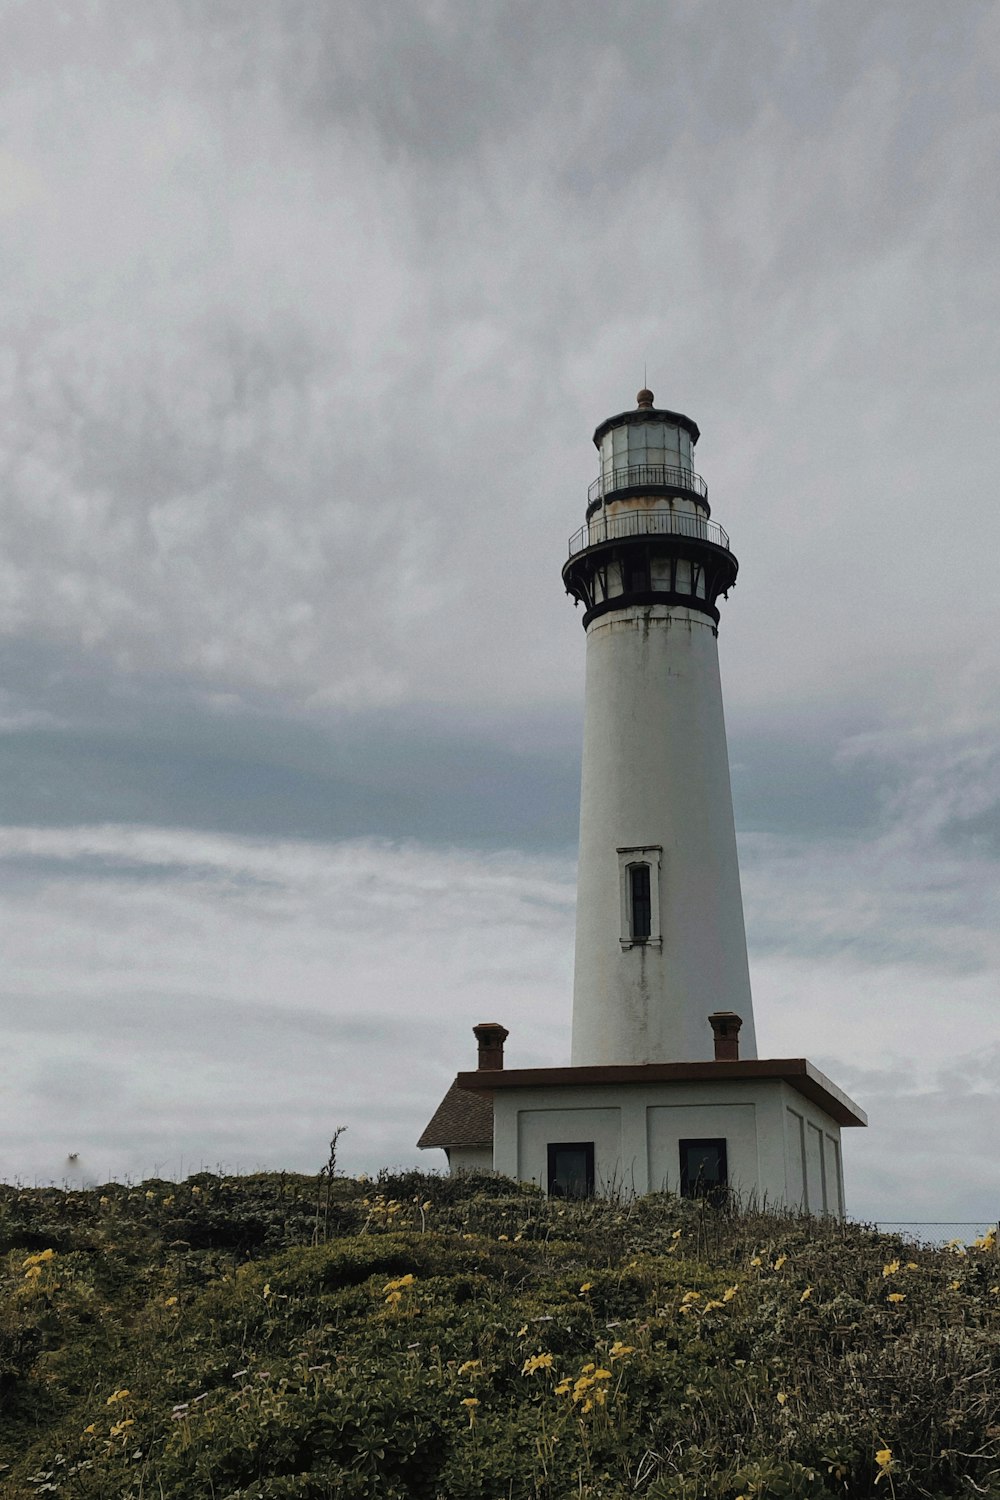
[(645, 398)]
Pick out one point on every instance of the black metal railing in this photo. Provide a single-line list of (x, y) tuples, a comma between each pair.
[(634, 476), (647, 523)]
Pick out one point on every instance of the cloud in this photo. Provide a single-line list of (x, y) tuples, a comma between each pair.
[(180, 995), (309, 315)]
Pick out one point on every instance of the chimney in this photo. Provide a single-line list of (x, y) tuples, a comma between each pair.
[(491, 1036), (725, 1026)]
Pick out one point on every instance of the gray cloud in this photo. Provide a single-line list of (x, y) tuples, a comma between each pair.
[(308, 314)]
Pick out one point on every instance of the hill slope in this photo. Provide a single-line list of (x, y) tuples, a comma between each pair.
[(246, 1339)]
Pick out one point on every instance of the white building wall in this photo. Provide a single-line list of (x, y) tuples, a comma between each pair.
[(656, 773), (669, 1124), (813, 1162), (470, 1158), (637, 1129)]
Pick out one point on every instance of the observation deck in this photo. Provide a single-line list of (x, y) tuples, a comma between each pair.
[(636, 523), (645, 479)]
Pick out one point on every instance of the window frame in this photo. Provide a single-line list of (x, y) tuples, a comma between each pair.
[(716, 1193), (587, 1147), (650, 855)]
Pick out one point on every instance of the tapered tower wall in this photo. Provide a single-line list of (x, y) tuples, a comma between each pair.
[(656, 783)]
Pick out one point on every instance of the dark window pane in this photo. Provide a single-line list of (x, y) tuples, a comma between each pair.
[(637, 575), (571, 1169), (704, 1172), (639, 902)]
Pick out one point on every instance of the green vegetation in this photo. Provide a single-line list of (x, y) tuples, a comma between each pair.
[(261, 1337)]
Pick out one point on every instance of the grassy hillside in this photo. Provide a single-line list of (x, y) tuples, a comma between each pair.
[(241, 1337)]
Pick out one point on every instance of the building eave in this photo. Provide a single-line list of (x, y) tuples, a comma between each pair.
[(798, 1072)]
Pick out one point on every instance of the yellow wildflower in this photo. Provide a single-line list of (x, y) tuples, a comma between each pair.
[(537, 1362), (806, 1294), (393, 1297), (170, 1302), (471, 1367), (427, 1206), (955, 1285), (756, 1261), (911, 1265), (267, 1290), (564, 1387), (712, 1305), (890, 1268), (522, 1330), (585, 1288), (502, 1236), (89, 1431), (470, 1401), (39, 1258), (619, 1350), (782, 1398), (729, 1293), (897, 1297), (602, 1374), (117, 1396), (780, 1262), (588, 1369), (32, 1273), (690, 1297), (884, 1460)]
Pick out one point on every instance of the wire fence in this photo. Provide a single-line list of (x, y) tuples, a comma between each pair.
[(938, 1231)]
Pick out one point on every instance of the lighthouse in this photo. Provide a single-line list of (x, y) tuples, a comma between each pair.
[(659, 924), (665, 1089)]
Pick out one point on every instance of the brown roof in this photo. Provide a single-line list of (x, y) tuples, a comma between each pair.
[(463, 1118), (796, 1071)]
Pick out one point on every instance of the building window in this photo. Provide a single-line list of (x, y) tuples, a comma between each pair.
[(639, 907), (639, 873), (704, 1172), (571, 1169)]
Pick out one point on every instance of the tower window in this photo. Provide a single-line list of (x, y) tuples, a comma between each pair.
[(704, 1170), (639, 902), (637, 575), (639, 874)]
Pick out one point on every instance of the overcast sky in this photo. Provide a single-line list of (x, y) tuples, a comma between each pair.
[(309, 312)]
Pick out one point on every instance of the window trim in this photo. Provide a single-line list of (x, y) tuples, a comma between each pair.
[(640, 854)]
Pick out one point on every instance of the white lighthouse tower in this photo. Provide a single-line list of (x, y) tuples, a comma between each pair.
[(659, 925), (665, 1089)]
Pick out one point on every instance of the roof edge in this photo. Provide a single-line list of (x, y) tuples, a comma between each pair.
[(798, 1072)]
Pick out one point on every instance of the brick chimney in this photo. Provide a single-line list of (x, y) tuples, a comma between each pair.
[(725, 1026), (491, 1036)]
